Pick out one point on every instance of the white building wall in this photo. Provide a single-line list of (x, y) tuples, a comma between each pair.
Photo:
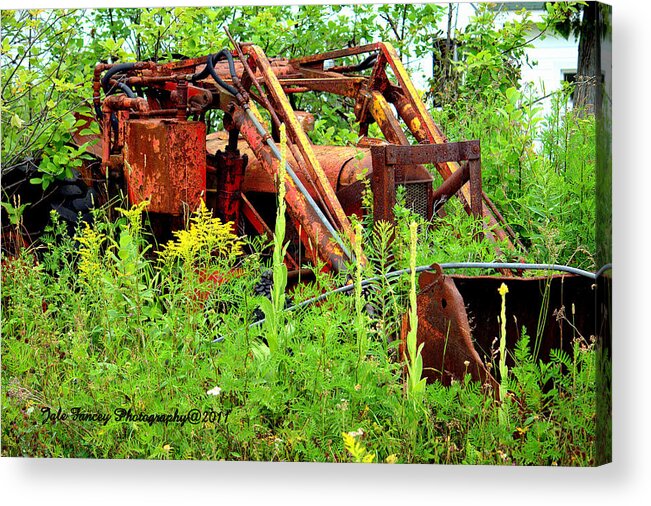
[(549, 57)]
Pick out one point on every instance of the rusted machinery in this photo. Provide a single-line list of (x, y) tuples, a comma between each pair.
[(156, 141), (154, 145)]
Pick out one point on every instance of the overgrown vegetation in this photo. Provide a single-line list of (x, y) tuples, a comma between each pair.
[(130, 332), (100, 322)]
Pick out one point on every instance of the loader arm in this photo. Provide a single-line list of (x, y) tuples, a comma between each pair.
[(373, 98), (239, 81)]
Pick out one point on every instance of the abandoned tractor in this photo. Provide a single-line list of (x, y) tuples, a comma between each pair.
[(153, 146)]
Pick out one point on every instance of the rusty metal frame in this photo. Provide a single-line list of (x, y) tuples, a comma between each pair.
[(373, 98), (386, 158), (386, 96)]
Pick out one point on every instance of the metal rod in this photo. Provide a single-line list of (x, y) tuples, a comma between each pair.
[(501, 219)]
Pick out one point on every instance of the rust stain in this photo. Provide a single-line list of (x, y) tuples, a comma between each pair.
[(444, 331), (167, 164)]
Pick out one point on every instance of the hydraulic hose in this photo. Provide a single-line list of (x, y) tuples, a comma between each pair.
[(210, 65), (209, 70), (106, 79), (205, 72), (457, 265), (128, 91), (274, 149), (518, 266), (366, 64), (445, 266)]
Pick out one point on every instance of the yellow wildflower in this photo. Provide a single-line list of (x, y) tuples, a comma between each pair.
[(391, 459), (91, 241), (134, 215), (206, 235)]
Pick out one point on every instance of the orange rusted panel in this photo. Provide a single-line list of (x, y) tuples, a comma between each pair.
[(444, 331), (165, 163)]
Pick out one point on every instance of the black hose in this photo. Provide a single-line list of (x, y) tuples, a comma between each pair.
[(366, 64), (98, 113), (114, 120), (231, 62), (114, 125), (106, 79), (363, 65), (204, 73), (128, 91), (210, 65)]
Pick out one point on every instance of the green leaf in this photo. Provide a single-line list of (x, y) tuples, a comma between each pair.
[(16, 122), (513, 95), (6, 46)]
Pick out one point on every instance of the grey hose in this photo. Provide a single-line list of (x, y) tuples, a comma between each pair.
[(445, 266), (518, 266), (261, 130)]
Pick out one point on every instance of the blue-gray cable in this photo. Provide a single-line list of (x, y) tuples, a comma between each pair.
[(447, 266)]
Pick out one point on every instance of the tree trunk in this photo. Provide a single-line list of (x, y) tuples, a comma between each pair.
[(588, 75)]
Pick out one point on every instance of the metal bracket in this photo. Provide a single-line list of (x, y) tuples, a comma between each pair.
[(386, 158)]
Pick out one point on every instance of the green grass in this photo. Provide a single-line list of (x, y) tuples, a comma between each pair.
[(130, 331)]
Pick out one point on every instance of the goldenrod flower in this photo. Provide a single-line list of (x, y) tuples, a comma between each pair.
[(206, 236), (134, 215), (91, 241), (391, 459)]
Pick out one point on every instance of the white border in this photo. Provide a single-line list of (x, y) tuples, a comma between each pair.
[(626, 481)]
